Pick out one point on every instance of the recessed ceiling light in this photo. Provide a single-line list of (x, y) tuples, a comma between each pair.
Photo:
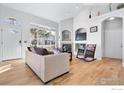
[(111, 18)]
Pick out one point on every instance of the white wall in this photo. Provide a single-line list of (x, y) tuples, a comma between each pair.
[(82, 20), (98, 21), (0, 46), (95, 38), (25, 19), (66, 24)]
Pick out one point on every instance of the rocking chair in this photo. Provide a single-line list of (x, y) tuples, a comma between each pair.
[(88, 53)]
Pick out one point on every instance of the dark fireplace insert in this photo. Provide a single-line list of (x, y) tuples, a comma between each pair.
[(67, 48)]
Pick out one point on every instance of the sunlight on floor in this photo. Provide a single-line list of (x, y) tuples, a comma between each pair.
[(5, 68)]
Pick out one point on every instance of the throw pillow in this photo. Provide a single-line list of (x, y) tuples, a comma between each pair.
[(41, 51), (29, 49), (32, 49)]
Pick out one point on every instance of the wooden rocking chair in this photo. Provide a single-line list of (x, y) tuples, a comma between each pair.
[(88, 53)]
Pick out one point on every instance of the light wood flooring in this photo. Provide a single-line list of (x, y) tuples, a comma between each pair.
[(104, 72)]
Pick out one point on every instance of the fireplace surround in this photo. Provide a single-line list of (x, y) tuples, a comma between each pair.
[(67, 48)]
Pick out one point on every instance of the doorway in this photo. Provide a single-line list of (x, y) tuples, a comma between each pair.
[(112, 37), (11, 44)]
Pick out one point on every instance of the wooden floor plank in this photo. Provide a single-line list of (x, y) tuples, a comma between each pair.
[(104, 72)]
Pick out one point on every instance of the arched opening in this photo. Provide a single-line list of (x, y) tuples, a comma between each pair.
[(112, 28), (80, 39), (80, 34), (66, 35)]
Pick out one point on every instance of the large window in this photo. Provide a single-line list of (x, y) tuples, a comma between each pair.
[(42, 36)]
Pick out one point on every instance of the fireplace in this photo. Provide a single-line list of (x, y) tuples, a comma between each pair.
[(67, 47)]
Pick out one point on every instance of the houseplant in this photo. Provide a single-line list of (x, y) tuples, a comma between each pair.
[(33, 32)]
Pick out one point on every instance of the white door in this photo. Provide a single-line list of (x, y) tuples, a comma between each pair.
[(11, 38), (0, 45), (113, 39)]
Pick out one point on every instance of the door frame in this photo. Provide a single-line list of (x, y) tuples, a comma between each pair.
[(1, 53), (1, 30), (103, 37)]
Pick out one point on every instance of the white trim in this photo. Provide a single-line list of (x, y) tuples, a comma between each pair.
[(123, 64), (43, 26)]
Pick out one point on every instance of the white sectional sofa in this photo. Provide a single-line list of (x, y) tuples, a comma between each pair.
[(48, 67)]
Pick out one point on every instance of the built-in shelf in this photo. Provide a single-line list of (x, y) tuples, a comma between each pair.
[(66, 35), (80, 34), (79, 46), (66, 42), (80, 39)]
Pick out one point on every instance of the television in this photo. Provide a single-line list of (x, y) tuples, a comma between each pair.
[(81, 36)]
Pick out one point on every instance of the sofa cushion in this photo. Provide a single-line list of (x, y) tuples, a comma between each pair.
[(41, 51), (32, 50), (51, 52)]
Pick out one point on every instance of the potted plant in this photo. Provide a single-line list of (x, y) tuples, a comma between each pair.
[(41, 35), (33, 32)]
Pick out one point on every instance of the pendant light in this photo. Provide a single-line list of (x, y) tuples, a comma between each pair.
[(90, 15)]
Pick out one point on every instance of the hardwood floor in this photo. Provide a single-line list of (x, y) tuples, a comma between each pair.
[(104, 72)]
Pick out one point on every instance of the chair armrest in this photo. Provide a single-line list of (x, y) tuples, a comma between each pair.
[(56, 65), (36, 63)]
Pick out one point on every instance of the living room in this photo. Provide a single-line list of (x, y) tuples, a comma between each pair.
[(67, 44)]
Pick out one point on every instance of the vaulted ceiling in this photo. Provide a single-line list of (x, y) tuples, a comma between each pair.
[(55, 11)]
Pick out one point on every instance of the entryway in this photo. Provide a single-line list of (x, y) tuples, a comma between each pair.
[(112, 37), (11, 45)]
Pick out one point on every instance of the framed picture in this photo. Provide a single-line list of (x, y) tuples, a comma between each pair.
[(93, 29)]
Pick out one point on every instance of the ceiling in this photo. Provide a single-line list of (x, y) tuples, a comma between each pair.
[(52, 11)]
